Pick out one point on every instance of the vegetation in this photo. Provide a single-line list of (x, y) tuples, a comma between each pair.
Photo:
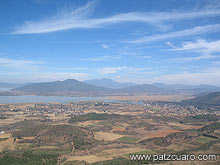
[(93, 116), (209, 128), (121, 161), (202, 118), (29, 157), (204, 139), (128, 139), (161, 141)]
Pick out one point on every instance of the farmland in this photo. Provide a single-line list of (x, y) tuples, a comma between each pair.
[(94, 132)]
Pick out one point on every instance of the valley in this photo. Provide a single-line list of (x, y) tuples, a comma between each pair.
[(97, 132)]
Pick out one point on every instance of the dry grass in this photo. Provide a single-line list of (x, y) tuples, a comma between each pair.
[(89, 158), (107, 136), (161, 133), (122, 151), (105, 155), (151, 98), (9, 143), (5, 135), (120, 129), (88, 123), (185, 126)]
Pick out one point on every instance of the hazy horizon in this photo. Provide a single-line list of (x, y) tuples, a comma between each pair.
[(113, 80)]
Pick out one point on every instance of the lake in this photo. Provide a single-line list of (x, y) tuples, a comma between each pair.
[(45, 99)]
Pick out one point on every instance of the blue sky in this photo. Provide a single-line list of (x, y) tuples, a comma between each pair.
[(167, 41)]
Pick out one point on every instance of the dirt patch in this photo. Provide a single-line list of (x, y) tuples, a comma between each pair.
[(107, 136), (161, 133), (152, 97), (185, 126), (120, 129), (89, 158), (88, 123)]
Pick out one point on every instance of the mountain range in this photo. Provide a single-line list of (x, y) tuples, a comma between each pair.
[(108, 86), (109, 83), (67, 87)]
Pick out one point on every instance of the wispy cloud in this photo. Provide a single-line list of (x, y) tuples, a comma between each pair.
[(136, 55), (7, 62), (104, 58), (188, 32), (204, 56), (105, 46), (81, 18), (205, 48), (216, 62), (110, 70), (199, 46)]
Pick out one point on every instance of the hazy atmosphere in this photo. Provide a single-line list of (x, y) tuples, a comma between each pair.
[(127, 41)]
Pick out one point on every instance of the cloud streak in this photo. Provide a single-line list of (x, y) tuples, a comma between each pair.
[(80, 18), (199, 46), (187, 32)]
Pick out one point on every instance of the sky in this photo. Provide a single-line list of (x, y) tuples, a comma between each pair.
[(144, 42)]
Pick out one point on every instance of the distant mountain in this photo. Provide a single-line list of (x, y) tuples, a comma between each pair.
[(212, 98), (194, 89), (109, 83), (146, 88), (66, 87)]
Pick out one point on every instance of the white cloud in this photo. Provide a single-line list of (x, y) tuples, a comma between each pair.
[(19, 63), (136, 55), (188, 32), (144, 57), (104, 58), (201, 57), (200, 46), (216, 62), (80, 18), (110, 70), (105, 46)]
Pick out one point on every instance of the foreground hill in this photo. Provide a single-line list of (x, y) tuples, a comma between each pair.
[(208, 99), (108, 83), (66, 87)]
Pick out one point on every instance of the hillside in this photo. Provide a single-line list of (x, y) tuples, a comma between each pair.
[(208, 99), (109, 83)]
